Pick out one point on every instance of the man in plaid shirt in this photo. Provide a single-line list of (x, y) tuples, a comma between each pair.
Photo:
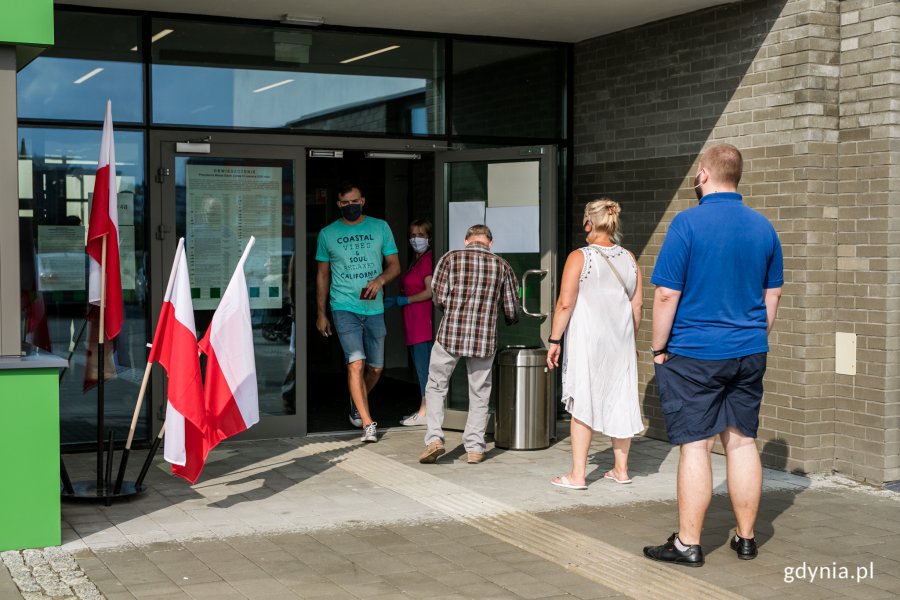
[(467, 285)]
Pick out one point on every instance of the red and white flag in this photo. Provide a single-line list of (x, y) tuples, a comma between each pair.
[(104, 223), (175, 348), (230, 389)]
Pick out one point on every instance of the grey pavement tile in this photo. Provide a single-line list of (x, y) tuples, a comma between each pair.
[(485, 589), (295, 573), (118, 595), (320, 590), (429, 589), (235, 571), (533, 590), (190, 572), (371, 590), (218, 590), (380, 563), (138, 573), (263, 589), (424, 560), (155, 589), (354, 575), (459, 579)]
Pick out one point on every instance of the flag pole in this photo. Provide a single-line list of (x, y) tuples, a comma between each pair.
[(138, 483), (101, 370), (134, 418)]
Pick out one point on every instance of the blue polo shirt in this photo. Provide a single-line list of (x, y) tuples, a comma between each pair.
[(721, 256)]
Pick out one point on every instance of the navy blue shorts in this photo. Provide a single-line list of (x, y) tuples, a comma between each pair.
[(700, 398)]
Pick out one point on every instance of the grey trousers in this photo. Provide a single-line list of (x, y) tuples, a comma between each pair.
[(439, 371)]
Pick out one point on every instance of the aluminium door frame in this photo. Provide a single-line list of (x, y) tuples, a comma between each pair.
[(549, 203)]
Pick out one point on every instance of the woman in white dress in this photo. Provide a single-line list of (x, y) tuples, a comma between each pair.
[(599, 311)]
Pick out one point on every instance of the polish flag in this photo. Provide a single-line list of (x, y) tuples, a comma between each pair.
[(230, 389), (104, 224), (175, 348)]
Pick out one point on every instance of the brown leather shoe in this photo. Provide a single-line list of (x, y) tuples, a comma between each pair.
[(432, 452), (473, 458)]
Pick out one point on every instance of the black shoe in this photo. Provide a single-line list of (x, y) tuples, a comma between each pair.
[(692, 557), (745, 548)]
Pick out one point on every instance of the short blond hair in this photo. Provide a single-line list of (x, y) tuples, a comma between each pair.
[(603, 214), (724, 163)]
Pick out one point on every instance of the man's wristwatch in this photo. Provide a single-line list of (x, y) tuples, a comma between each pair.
[(656, 353)]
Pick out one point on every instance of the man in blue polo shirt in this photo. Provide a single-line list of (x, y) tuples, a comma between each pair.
[(351, 253), (718, 276)]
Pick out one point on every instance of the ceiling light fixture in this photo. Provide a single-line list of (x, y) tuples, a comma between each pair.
[(326, 154), (368, 54), (400, 155), (298, 20), (161, 35), (272, 85), (88, 75)]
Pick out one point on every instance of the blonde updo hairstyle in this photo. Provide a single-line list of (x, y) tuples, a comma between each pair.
[(603, 215)]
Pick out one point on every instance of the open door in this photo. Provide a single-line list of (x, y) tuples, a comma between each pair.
[(514, 192)]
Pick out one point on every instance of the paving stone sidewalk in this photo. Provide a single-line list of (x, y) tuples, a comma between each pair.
[(330, 518)]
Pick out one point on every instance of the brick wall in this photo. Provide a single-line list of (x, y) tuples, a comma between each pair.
[(867, 405), (770, 77)]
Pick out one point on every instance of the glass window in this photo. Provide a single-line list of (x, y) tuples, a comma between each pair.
[(96, 57), (508, 90), (56, 181), (211, 74)]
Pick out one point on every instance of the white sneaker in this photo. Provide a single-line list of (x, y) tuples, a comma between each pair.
[(413, 420), (370, 433)]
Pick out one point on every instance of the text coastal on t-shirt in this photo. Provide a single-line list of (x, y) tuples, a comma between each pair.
[(356, 255)]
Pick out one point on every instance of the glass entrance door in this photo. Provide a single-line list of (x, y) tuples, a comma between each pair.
[(217, 196), (513, 191)]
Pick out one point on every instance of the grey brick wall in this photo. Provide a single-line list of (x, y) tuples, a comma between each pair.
[(775, 79), (867, 405)]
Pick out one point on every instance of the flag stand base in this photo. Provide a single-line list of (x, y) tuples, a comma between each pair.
[(86, 491)]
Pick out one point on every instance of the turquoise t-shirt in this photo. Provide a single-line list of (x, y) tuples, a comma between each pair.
[(356, 253)]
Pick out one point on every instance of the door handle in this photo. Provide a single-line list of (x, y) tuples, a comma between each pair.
[(540, 273)]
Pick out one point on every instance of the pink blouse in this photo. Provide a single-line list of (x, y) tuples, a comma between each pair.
[(417, 315)]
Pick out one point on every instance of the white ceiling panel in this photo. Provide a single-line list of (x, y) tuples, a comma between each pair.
[(552, 20)]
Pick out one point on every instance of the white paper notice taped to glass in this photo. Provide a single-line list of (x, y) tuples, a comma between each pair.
[(514, 184), (516, 229), (462, 216)]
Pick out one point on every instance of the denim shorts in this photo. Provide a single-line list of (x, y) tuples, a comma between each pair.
[(361, 337), (700, 398), (421, 356)]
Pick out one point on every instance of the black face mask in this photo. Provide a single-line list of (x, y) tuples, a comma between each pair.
[(351, 212)]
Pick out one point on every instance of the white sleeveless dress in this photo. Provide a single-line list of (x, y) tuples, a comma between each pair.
[(599, 367)]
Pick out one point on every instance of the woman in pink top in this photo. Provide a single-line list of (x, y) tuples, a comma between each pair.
[(415, 287)]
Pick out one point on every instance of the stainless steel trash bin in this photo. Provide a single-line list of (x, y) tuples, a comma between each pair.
[(524, 418)]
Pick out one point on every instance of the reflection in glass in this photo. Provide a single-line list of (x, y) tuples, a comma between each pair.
[(96, 57), (511, 90), (56, 179), (220, 203), (275, 77)]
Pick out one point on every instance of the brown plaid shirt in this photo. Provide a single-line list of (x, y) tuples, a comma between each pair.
[(468, 284)]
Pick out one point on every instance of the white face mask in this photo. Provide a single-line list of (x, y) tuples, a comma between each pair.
[(418, 244)]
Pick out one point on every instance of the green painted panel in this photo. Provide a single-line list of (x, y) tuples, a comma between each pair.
[(29, 458), (29, 22)]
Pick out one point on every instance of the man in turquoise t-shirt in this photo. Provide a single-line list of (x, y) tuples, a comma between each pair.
[(351, 253)]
